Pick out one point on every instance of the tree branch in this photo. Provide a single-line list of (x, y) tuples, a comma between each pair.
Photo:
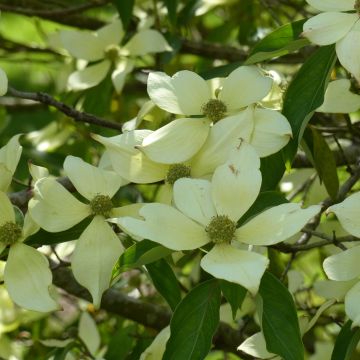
[(54, 12), (78, 116)]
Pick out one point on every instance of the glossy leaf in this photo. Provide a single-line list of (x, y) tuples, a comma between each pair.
[(279, 320), (346, 342), (234, 294), (325, 164), (306, 93), (272, 169), (171, 6), (280, 42), (125, 9), (139, 254), (165, 282), (194, 323), (121, 342), (43, 237)]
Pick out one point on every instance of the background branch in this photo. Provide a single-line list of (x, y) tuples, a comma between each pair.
[(66, 109)]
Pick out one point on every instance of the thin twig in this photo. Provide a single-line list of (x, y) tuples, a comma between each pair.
[(66, 109)]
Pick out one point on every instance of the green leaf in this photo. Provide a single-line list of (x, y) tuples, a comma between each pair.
[(142, 253), (165, 282), (264, 201), (61, 353), (98, 98), (346, 342), (325, 164), (194, 323), (234, 294), (171, 6), (272, 170), (125, 9), (43, 237), (280, 42), (279, 319), (306, 93), (121, 342), (187, 13)]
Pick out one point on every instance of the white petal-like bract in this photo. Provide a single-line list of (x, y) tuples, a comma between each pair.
[(166, 226), (246, 85), (95, 255), (343, 266), (177, 141), (339, 99), (183, 93), (3, 82), (348, 54), (275, 224), (28, 277), (54, 208), (329, 27), (242, 267), (348, 213), (82, 44), (129, 162), (90, 180), (193, 198), (90, 76), (352, 307), (237, 183), (332, 5), (146, 42)]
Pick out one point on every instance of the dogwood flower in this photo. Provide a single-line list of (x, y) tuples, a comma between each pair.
[(9, 159), (55, 209), (3, 82), (336, 25), (344, 267), (27, 276), (187, 93), (104, 47), (208, 212)]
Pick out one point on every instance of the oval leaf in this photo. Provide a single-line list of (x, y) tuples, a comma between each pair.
[(165, 282), (194, 323), (306, 93), (346, 342), (279, 320)]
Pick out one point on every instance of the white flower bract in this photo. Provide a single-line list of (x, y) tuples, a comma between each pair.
[(336, 26)]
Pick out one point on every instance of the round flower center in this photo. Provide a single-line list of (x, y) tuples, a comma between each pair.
[(10, 233), (214, 110), (357, 6), (112, 52), (101, 205), (177, 171), (221, 229)]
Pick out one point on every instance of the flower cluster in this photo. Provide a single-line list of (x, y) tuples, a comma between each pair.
[(337, 24)]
